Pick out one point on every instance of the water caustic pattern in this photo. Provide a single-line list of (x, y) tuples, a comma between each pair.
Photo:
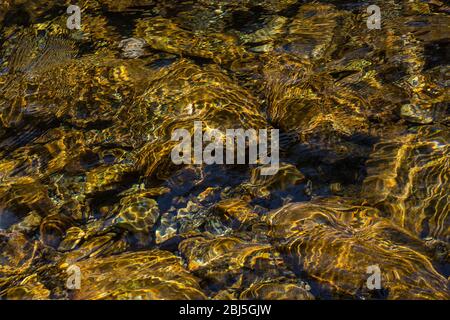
[(88, 188), (415, 195)]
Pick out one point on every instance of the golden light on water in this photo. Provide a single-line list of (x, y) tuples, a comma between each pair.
[(87, 183)]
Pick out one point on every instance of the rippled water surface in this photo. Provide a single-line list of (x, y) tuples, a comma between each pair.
[(88, 187)]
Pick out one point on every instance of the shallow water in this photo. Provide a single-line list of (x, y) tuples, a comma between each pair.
[(88, 187)]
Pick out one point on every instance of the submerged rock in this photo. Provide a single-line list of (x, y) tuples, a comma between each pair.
[(132, 48), (230, 263), (334, 242), (120, 277), (163, 34)]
